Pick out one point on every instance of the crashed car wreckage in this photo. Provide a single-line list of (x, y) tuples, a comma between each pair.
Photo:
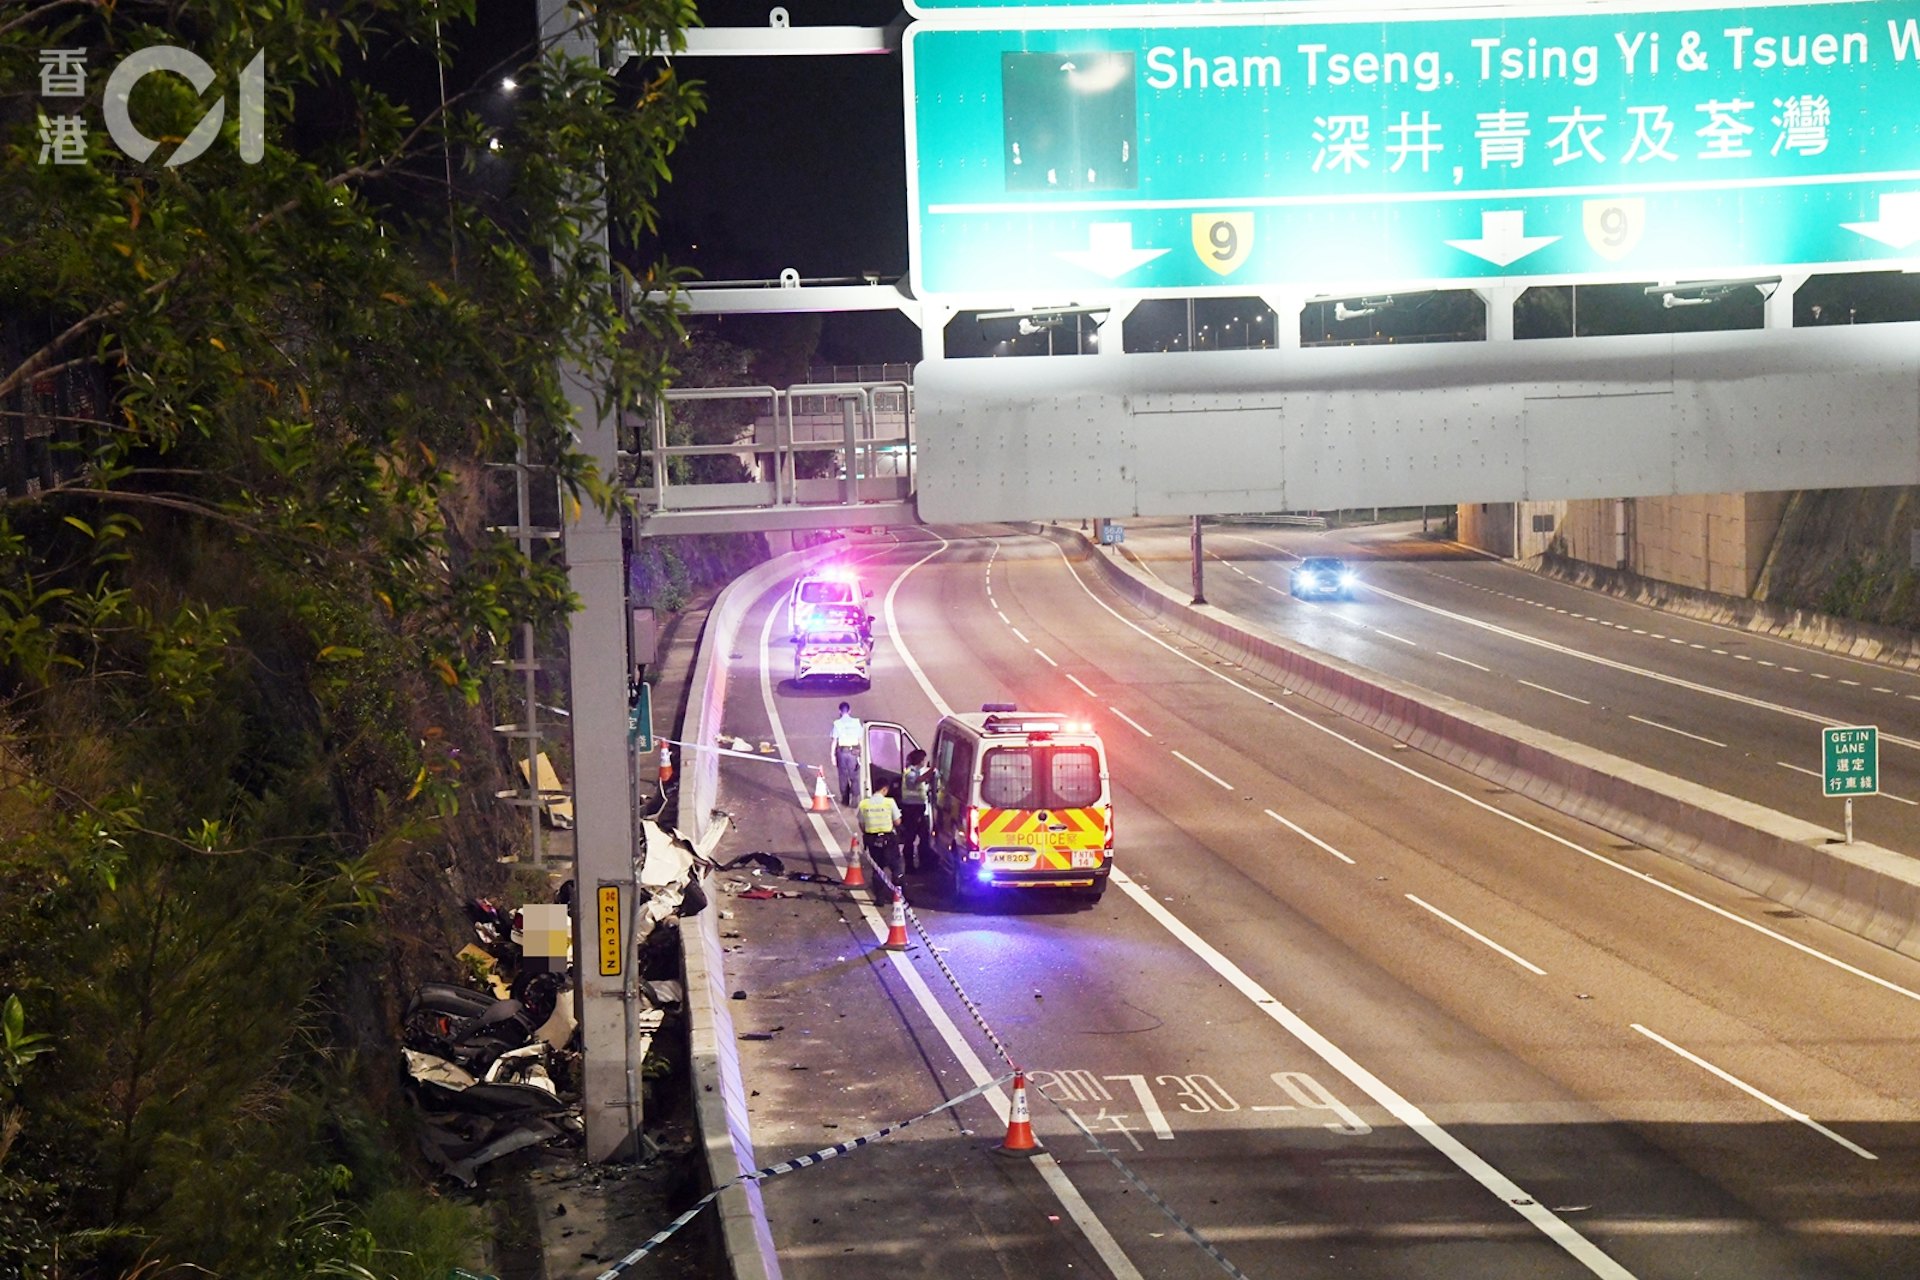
[(490, 1070)]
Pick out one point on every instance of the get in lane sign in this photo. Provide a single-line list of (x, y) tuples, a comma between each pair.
[(1850, 761), (1297, 149)]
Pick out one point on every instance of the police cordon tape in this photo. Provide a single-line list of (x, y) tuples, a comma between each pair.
[(1192, 1232), (979, 1018), (788, 1166)]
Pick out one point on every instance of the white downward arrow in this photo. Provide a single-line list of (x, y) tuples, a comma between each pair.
[(1110, 252), (1503, 238), (1899, 222)]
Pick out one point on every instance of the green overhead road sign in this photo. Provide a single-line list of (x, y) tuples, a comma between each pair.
[(1850, 761), (1230, 154)]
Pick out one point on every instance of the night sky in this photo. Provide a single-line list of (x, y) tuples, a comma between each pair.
[(801, 163)]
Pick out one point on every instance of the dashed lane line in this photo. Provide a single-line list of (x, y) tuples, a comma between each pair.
[(1477, 936), (1555, 692), (1748, 1089)]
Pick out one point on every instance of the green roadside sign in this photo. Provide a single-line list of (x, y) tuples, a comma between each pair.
[(1850, 761), (1055, 153), (640, 720)]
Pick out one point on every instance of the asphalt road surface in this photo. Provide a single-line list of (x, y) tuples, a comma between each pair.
[(1731, 710), (1346, 1011)]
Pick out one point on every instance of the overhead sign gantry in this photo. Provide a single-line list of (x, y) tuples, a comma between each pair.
[(1233, 153)]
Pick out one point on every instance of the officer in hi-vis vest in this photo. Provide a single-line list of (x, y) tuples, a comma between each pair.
[(879, 821)]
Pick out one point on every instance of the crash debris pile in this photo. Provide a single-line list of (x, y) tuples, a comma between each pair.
[(495, 1071)]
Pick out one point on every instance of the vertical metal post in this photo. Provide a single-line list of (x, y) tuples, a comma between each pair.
[(1199, 584), (1849, 819), (851, 440), (604, 851), (523, 518)]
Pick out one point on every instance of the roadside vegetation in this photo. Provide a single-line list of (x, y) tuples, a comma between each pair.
[(249, 420)]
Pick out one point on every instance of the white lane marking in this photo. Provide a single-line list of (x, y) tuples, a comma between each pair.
[(1305, 834), (1811, 773), (1817, 676), (1748, 1089), (1854, 683), (1763, 662), (1402, 639), (1476, 935), (1504, 1189), (1741, 657), (1016, 631), (1083, 688), (1043, 654), (1071, 1201), (1502, 814), (1630, 669), (1004, 618), (1795, 670), (1150, 1105), (1878, 689), (1203, 771), (1721, 652), (1691, 644), (1463, 662), (1670, 729), (1556, 693), (1130, 720), (1639, 631)]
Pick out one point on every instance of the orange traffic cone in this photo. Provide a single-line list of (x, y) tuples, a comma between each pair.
[(822, 802), (666, 764), (856, 874), (897, 931), (1020, 1140)]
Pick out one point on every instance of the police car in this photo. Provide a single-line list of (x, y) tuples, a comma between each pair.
[(836, 644)]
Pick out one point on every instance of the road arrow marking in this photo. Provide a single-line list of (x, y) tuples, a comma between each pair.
[(1503, 238), (1110, 252), (1899, 221)]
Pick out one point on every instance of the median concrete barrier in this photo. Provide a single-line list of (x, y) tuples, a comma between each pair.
[(720, 1101), (1862, 888)]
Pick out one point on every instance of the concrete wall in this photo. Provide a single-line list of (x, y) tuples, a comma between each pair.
[(1493, 527), (1710, 542)]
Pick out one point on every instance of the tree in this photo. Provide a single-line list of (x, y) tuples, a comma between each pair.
[(250, 549)]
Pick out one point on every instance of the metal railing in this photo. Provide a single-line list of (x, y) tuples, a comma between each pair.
[(869, 456)]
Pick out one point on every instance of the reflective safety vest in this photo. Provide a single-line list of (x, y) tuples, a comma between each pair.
[(913, 787), (878, 814)]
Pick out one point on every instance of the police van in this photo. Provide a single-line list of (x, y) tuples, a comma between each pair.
[(1020, 799), (817, 592)]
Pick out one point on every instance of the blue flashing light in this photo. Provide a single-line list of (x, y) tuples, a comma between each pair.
[(984, 875)]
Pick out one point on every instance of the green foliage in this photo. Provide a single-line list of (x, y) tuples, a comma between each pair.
[(1877, 587), (241, 639), (18, 1046)]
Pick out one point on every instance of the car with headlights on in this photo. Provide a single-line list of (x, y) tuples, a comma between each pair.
[(1321, 577)]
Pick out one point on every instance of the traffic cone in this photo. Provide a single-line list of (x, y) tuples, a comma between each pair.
[(1020, 1140), (666, 764), (897, 931), (822, 802), (856, 874)]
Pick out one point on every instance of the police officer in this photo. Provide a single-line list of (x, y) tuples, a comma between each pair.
[(846, 752), (879, 823), (916, 841)]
